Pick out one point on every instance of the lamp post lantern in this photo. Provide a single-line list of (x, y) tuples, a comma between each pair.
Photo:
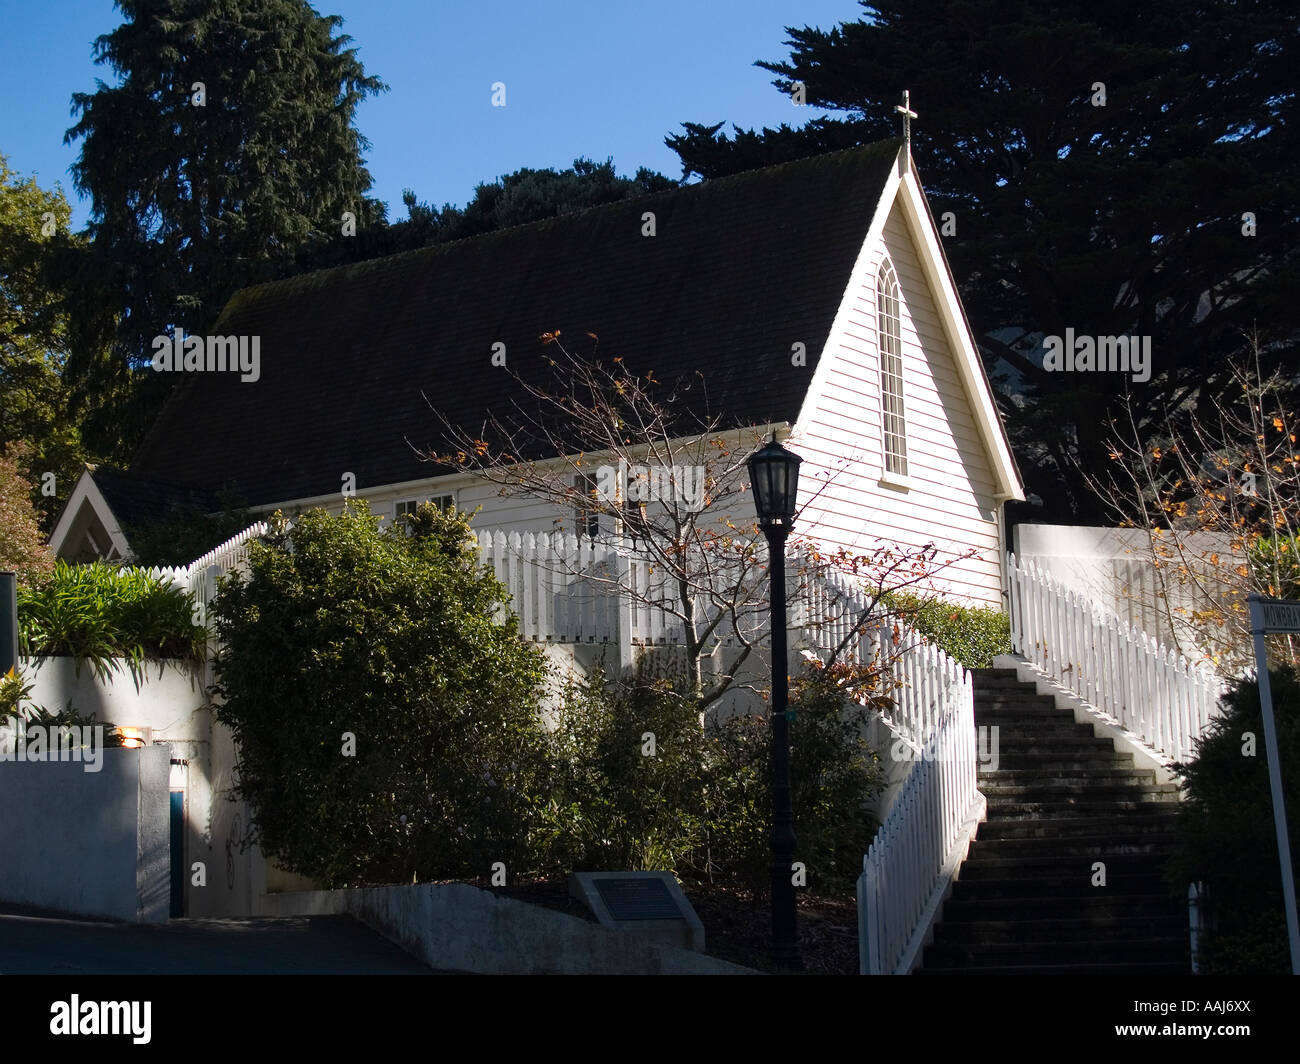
[(774, 476)]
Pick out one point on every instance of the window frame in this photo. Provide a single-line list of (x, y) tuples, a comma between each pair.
[(894, 465), (585, 483), (416, 501)]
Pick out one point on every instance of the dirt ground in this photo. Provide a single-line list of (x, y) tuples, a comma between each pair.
[(737, 927)]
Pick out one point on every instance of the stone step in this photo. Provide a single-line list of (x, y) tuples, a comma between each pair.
[(993, 708), (1075, 886), (1087, 747), (1061, 929), (1157, 822), (1018, 724), (1057, 727), (1061, 799), (1099, 846), (1003, 683), (1003, 954), (1020, 808), (1045, 736), (1096, 906), (1138, 969), (1051, 787), (1066, 765), (1062, 868), (1032, 774)]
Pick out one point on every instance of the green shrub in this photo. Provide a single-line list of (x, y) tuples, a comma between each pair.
[(1275, 565), (1227, 838), (971, 635), (387, 725), (98, 613), (184, 533), (610, 805), (13, 690), (700, 806), (22, 546)]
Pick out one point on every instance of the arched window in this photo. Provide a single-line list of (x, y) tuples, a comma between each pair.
[(889, 329)]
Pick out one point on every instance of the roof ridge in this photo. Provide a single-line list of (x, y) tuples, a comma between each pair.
[(745, 266), (431, 249)]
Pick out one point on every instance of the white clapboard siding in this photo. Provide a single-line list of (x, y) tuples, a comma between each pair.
[(950, 501)]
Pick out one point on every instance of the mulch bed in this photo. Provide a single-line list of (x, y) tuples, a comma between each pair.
[(737, 927)]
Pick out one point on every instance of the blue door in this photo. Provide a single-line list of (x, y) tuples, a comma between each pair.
[(178, 853)]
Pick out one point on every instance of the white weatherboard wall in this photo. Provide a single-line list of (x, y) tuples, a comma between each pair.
[(89, 843), (950, 500)]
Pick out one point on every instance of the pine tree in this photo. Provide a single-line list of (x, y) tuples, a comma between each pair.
[(1115, 168), (226, 145)]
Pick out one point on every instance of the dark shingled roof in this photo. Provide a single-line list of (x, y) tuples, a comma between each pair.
[(740, 269), (138, 501)]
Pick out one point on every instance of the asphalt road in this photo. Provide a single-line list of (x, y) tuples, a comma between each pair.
[(43, 944)]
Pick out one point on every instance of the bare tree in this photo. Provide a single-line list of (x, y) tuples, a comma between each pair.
[(1217, 493), (649, 468)]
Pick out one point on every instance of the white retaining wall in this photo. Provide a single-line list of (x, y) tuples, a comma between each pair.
[(464, 928), (90, 843)]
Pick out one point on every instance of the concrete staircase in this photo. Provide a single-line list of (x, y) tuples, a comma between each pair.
[(1059, 800)]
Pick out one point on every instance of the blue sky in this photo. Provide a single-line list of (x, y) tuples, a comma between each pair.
[(583, 78)]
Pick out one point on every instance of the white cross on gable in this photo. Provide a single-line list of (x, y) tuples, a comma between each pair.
[(905, 109)]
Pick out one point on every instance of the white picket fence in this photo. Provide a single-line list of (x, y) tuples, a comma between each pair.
[(569, 589), (831, 612), (915, 854), (199, 578), (1151, 690)]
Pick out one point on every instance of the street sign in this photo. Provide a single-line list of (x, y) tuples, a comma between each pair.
[(1276, 617)]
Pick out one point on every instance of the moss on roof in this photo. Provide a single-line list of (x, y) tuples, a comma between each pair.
[(739, 270)]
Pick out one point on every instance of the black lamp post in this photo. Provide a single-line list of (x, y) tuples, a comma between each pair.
[(774, 475)]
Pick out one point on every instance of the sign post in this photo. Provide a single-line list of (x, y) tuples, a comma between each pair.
[(1276, 617), (8, 622)]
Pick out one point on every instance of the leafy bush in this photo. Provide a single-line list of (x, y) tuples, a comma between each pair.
[(700, 806), (971, 635), (98, 613), (22, 546), (1228, 840), (1275, 565), (13, 690), (343, 634), (186, 532)]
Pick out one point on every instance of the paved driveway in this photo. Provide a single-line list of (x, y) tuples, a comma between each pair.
[(41, 944)]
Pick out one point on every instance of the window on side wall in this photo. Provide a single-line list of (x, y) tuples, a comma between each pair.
[(889, 330), (404, 507), (586, 522)]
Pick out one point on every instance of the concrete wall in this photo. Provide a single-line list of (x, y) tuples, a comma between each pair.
[(165, 697), (463, 928), (171, 699), (89, 843), (1115, 567)]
